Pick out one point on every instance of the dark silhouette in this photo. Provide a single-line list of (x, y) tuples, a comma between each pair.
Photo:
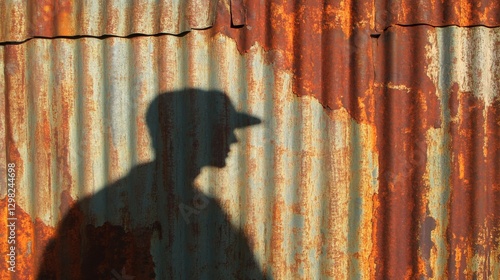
[(154, 219)]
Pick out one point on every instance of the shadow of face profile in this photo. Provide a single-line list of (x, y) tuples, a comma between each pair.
[(193, 128), (153, 223)]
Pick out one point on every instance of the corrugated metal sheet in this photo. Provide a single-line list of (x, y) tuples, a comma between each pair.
[(86, 129), (377, 157), (438, 120), (22, 19), (51, 18), (437, 13), (326, 45)]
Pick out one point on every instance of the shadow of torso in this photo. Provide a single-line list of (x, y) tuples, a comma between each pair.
[(141, 227)]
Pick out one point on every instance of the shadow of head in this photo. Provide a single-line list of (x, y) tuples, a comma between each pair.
[(194, 126)]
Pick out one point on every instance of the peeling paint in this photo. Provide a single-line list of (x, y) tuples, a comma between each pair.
[(376, 157)]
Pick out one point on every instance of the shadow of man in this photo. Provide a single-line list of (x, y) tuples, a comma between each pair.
[(154, 223)]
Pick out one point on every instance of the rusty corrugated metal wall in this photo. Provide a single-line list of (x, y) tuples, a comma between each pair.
[(377, 156), (63, 18)]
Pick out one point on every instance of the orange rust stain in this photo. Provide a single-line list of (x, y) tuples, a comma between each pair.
[(63, 111), (344, 16), (15, 104), (461, 166), (425, 262), (30, 240), (15, 113), (437, 13), (326, 46), (279, 22), (43, 18), (475, 215), (44, 134), (65, 18), (466, 13), (490, 12), (404, 114), (52, 18), (276, 260)]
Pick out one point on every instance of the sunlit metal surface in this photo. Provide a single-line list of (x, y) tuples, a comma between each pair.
[(437, 13), (438, 152), (376, 158), (22, 19)]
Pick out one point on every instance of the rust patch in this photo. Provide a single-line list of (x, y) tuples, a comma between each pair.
[(15, 107), (52, 18), (326, 46), (30, 240), (404, 114), (437, 13), (34, 243), (277, 263), (475, 212)]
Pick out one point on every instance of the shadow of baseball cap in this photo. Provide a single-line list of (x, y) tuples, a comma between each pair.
[(241, 119), (193, 106)]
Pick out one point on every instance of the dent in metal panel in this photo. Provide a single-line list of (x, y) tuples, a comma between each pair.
[(53, 18)]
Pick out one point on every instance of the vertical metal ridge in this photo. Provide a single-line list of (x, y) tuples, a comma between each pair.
[(51, 18), (3, 117), (375, 158), (437, 13)]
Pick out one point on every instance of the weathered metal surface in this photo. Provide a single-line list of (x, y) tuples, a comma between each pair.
[(2, 118), (22, 19), (437, 139), (376, 157), (406, 107), (326, 45), (71, 133), (403, 106), (52, 18), (437, 13)]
